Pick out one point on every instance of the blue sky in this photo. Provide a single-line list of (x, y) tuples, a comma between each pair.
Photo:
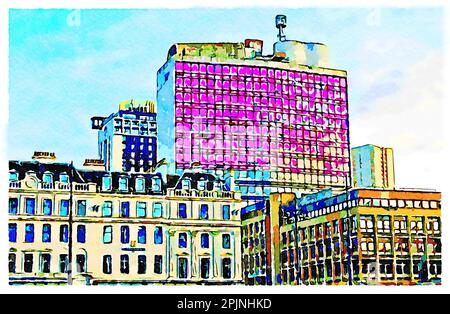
[(61, 74)]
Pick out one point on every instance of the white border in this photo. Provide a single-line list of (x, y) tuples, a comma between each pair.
[(33, 4)]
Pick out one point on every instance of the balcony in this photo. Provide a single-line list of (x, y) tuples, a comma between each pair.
[(84, 187), (57, 186), (203, 194), (15, 184)]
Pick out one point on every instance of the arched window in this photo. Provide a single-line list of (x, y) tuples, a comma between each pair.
[(47, 177), (63, 178), (13, 176), (156, 184), (186, 184), (201, 184)]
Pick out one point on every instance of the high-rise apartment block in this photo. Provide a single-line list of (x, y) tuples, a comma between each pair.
[(127, 139), (373, 167), (275, 123)]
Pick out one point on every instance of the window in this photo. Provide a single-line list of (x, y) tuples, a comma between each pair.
[(107, 234), (107, 209), (13, 176), (63, 262), (124, 264), (13, 206), (63, 178), (186, 184), (401, 246), (433, 225), (125, 209), (156, 184), (386, 269), (142, 235), (366, 223), (141, 209), (226, 268), (201, 184), (384, 224), (47, 206), (182, 212), (435, 268), (204, 268), (400, 224), (204, 211), (158, 235), (417, 225), (226, 241), (419, 245), (384, 246), (28, 263), (124, 234), (47, 178), (226, 212), (140, 184), (30, 206), (123, 184), (182, 267), (157, 210), (12, 231), (64, 208), (204, 240), (81, 208), (29, 233), (81, 263), (142, 264), (217, 185), (12, 262), (81, 234), (106, 183), (107, 264), (367, 246), (158, 265), (46, 233), (44, 263), (182, 240), (64, 233)]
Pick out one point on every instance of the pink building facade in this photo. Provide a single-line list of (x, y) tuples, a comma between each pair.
[(285, 122)]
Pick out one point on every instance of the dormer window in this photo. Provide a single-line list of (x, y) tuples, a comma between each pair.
[(13, 176), (217, 185), (156, 184), (140, 184), (123, 183), (186, 184), (47, 178), (201, 184), (63, 178), (106, 183)]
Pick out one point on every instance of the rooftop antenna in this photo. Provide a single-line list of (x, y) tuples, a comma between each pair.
[(280, 23)]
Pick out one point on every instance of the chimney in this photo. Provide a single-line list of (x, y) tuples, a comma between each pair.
[(94, 164), (44, 156), (253, 48)]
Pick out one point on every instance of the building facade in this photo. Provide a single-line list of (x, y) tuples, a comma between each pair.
[(373, 167), (127, 139), (119, 227), (364, 236), (275, 123)]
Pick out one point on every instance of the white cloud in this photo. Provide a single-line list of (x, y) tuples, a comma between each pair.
[(408, 118)]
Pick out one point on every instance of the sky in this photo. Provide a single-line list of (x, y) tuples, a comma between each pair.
[(67, 66)]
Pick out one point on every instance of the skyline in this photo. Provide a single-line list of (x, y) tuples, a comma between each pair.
[(104, 53)]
